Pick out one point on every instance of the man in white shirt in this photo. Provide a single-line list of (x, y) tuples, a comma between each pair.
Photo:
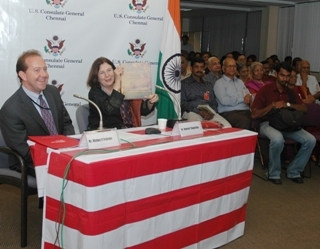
[(305, 79)]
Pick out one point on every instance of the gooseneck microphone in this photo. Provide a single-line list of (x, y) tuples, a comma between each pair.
[(177, 103), (94, 104)]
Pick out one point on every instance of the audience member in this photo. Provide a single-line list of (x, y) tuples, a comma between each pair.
[(192, 54), (295, 63), (104, 79), (243, 72), (229, 55), (195, 91), (251, 58), (235, 55), (302, 91), (307, 80), (288, 60), (185, 70), (266, 70), (35, 109), (272, 72), (223, 58), (241, 59), (233, 97), (215, 70), (256, 83), (275, 95), (185, 45), (206, 55)]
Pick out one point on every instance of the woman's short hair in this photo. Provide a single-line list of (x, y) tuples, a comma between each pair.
[(254, 65), (240, 65), (93, 74)]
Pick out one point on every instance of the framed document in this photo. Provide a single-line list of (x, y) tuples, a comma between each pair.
[(136, 80)]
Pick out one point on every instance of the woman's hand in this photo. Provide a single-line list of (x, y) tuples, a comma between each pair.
[(152, 98), (117, 75)]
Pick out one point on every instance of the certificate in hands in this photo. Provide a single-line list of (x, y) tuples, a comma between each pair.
[(136, 80)]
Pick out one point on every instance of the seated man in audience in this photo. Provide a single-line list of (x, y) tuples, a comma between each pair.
[(272, 72), (266, 70), (275, 95), (302, 91), (214, 70), (35, 109), (233, 97), (195, 91), (307, 80)]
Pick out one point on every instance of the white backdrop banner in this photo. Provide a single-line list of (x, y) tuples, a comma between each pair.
[(71, 34)]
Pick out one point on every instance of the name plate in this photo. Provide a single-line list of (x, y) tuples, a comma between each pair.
[(187, 129), (100, 139)]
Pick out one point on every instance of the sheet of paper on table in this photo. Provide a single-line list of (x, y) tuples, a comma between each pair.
[(136, 80)]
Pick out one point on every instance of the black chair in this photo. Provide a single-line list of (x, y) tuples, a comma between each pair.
[(26, 183), (289, 146), (312, 125), (82, 114)]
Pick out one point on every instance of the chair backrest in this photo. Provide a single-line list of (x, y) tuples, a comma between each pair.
[(82, 114), (312, 117), (4, 158)]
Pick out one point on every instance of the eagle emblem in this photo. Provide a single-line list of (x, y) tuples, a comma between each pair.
[(138, 6), (56, 3), (58, 86), (137, 49), (55, 46)]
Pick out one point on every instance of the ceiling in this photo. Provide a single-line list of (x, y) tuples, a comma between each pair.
[(238, 5)]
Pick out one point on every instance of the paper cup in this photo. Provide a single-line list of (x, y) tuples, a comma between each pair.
[(162, 123)]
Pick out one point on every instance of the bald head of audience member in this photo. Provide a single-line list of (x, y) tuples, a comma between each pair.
[(214, 65), (229, 68)]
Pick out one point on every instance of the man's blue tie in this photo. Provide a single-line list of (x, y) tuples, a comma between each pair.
[(47, 117)]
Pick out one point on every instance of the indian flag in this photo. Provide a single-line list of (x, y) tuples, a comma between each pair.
[(169, 64)]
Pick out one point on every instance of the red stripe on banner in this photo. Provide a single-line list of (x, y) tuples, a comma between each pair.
[(128, 167), (102, 221), (196, 233), (50, 246)]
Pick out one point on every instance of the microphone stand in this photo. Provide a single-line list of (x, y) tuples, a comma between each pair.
[(94, 104), (171, 122)]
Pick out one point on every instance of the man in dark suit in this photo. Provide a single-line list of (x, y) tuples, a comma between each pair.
[(35, 109)]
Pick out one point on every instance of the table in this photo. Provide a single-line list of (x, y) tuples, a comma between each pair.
[(189, 193)]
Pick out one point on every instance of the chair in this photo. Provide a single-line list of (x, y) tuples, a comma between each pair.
[(312, 125), (82, 114), (26, 183), (289, 144)]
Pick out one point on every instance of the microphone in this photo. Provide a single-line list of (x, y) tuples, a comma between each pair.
[(171, 122), (94, 104)]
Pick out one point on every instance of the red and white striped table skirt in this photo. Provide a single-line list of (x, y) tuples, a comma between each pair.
[(183, 194)]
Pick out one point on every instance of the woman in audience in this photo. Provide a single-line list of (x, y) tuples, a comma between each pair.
[(104, 79), (206, 55), (256, 83), (302, 91), (250, 59), (243, 72)]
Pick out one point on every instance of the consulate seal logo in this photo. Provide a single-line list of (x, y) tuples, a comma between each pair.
[(137, 49), (55, 46), (138, 6), (56, 3)]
